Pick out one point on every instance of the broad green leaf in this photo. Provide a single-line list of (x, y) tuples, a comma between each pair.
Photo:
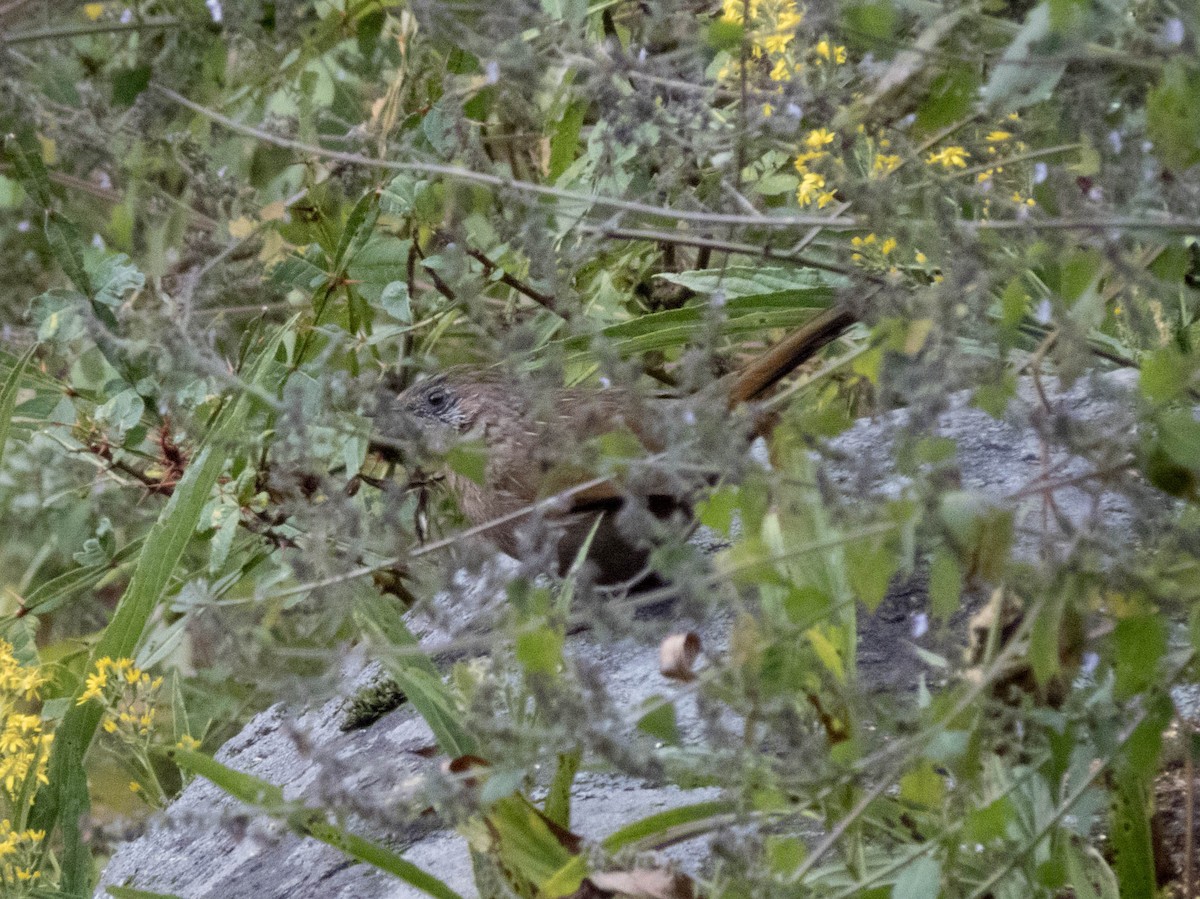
[(113, 276), (1014, 81)]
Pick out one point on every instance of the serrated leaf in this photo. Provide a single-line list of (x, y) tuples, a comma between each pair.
[(748, 280)]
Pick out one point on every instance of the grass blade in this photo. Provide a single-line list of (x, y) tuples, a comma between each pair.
[(8, 396), (309, 822)]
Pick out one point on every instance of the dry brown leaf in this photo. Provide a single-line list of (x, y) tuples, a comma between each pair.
[(644, 883), (677, 655)]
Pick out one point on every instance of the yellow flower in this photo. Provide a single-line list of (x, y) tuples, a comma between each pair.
[(827, 52), (885, 164), (826, 198), (809, 188), (804, 159), (949, 158), (777, 42), (781, 72), (188, 742), (887, 246), (998, 136), (921, 258), (789, 17), (818, 138), (767, 110), (135, 787)]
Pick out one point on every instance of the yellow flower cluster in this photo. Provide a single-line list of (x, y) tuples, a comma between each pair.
[(24, 753), (826, 53), (814, 189), (24, 748), (129, 695), (872, 252), (949, 158), (19, 854)]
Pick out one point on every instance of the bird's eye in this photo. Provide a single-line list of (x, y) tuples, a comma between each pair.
[(437, 399)]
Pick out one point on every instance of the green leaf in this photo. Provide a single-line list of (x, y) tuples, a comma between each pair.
[(308, 822), (1172, 116), (660, 721), (558, 796), (945, 584), (25, 154), (395, 301), (920, 880), (357, 231), (648, 829), (67, 247), (469, 459), (750, 280), (1129, 834), (540, 650), (869, 569), (128, 84), (305, 273), (565, 141), (1166, 373), (1139, 643), (113, 276), (725, 35), (8, 395), (415, 674), (1019, 78), (951, 96)]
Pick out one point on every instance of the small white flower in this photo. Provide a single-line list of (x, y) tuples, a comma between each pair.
[(1040, 171), (214, 9), (23, 225), (1044, 312), (491, 71), (920, 625), (1114, 140), (97, 241), (794, 111), (1090, 661), (717, 300), (1172, 32)]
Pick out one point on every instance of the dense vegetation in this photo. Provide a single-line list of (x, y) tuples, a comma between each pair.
[(223, 222)]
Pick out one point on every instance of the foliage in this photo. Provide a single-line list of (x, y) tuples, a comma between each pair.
[(225, 221)]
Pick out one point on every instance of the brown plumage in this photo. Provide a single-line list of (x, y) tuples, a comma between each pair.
[(534, 442)]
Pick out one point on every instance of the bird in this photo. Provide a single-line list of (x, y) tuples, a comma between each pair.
[(537, 442)]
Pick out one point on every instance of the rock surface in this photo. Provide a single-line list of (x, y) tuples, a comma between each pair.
[(208, 846)]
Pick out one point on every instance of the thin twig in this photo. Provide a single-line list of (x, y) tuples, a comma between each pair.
[(60, 31)]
